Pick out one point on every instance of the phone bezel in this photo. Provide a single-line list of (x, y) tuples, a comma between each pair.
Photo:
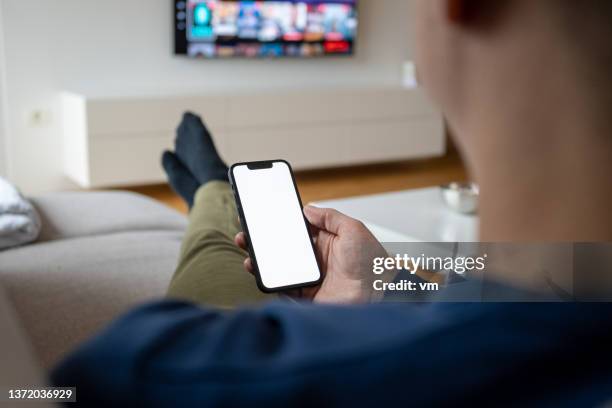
[(266, 164)]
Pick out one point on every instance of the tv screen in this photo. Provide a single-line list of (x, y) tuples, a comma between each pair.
[(252, 29)]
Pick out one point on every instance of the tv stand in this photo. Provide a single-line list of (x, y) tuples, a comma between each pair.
[(111, 142)]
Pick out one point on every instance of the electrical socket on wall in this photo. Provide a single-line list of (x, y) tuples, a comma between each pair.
[(39, 117)]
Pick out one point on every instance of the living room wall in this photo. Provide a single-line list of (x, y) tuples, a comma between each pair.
[(3, 124), (121, 48)]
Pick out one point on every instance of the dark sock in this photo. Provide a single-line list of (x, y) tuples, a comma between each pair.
[(196, 149), (181, 180)]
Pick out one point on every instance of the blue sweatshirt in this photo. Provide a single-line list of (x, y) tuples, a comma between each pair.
[(174, 354)]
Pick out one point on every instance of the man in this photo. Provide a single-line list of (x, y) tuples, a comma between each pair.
[(525, 86)]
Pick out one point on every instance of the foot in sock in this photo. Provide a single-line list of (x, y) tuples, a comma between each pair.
[(180, 178), (195, 148)]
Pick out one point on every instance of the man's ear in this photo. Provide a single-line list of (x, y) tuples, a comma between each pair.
[(475, 11), (456, 11)]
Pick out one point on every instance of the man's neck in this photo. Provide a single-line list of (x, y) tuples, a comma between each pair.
[(553, 187), (548, 184)]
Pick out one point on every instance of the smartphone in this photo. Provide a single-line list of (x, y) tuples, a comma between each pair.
[(270, 210)]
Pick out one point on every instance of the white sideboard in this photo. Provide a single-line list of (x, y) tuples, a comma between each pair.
[(118, 141)]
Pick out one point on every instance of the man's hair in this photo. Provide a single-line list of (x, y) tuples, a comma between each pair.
[(587, 29), (587, 21)]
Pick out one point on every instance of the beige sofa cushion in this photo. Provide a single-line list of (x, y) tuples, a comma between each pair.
[(100, 253), (65, 290)]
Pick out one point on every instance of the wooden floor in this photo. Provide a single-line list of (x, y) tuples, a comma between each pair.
[(352, 181)]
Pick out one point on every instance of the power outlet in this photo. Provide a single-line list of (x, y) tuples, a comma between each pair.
[(39, 118)]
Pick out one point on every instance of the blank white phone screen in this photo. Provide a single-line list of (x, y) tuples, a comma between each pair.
[(274, 218)]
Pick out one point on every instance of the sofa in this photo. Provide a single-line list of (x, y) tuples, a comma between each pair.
[(99, 253)]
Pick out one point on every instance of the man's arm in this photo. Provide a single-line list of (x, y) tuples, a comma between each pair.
[(177, 354)]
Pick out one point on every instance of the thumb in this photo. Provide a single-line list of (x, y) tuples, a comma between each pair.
[(325, 219)]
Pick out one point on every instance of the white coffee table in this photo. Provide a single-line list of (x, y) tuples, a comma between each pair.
[(409, 216)]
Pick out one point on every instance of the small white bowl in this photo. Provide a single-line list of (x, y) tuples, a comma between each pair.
[(461, 197)]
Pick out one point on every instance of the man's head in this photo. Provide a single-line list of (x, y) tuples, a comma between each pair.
[(475, 57), (526, 86)]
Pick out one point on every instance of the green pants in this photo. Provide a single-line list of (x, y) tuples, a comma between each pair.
[(210, 268)]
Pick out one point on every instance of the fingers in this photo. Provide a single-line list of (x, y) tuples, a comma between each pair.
[(240, 240), (326, 219), (248, 265)]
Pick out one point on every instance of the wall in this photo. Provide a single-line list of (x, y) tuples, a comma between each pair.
[(116, 48), (3, 124)]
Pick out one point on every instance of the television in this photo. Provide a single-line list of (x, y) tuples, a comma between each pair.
[(273, 29)]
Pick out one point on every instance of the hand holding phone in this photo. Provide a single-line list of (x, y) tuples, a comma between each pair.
[(270, 210), (345, 249)]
